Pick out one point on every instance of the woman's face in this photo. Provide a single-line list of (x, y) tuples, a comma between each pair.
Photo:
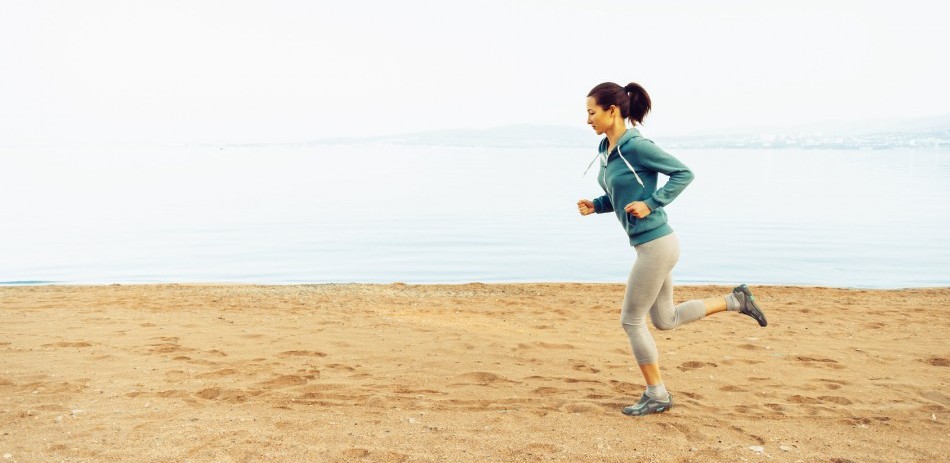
[(599, 119)]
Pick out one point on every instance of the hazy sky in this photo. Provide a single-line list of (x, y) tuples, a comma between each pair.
[(230, 71)]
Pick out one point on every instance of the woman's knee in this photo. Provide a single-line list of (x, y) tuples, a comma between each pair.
[(632, 324), (663, 324)]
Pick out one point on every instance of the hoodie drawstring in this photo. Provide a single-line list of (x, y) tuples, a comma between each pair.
[(605, 162), (629, 166)]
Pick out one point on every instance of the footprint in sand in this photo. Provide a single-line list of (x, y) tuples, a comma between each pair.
[(623, 387), (748, 346), (856, 421), (217, 374), (289, 425), (68, 344), (227, 395), (385, 456), (550, 345), (692, 365), (284, 381), (167, 348), (775, 407), (825, 399), (209, 393), (582, 407), (937, 361), (690, 395), (340, 366), (758, 439), (176, 376), (482, 378), (542, 345), (818, 362), (301, 353), (355, 453), (580, 365), (835, 399), (832, 384), (578, 380), (690, 433), (744, 409), (547, 390), (745, 361)]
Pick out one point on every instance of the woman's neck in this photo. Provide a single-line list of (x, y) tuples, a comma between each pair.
[(614, 133)]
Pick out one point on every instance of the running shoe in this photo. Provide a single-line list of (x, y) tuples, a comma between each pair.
[(648, 405), (749, 306)]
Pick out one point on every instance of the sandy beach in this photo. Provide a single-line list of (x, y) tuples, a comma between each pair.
[(473, 373)]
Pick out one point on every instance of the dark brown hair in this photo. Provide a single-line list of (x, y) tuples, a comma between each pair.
[(633, 100)]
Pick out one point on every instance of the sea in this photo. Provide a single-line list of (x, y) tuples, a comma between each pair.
[(384, 213)]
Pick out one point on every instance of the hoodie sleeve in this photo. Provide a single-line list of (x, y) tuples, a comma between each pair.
[(602, 204), (654, 158)]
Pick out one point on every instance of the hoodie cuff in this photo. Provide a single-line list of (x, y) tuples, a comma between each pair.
[(599, 206), (652, 204)]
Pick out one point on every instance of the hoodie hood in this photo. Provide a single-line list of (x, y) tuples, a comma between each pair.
[(627, 137)]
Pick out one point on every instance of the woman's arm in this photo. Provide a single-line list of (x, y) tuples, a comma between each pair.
[(652, 157), (602, 204)]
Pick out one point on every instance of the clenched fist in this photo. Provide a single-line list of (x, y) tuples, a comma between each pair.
[(585, 207), (638, 209)]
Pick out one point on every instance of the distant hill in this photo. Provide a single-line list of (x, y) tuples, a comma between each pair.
[(925, 132)]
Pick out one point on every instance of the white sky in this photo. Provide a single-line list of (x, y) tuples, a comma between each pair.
[(229, 71)]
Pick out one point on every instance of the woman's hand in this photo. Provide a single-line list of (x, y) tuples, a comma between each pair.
[(638, 209), (585, 207)]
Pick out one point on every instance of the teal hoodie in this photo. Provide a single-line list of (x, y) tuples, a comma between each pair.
[(630, 174)]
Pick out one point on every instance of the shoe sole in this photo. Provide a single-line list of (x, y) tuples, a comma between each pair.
[(650, 409), (756, 311), (651, 412)]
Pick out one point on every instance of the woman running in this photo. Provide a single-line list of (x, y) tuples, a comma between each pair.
[(629, 165)]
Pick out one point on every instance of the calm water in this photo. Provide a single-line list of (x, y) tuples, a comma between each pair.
[(875, 219)]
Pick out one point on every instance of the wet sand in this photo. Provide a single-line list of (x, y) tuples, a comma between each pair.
[(473, 373)]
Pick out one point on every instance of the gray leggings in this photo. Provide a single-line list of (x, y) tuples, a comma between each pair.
[(650, 288)]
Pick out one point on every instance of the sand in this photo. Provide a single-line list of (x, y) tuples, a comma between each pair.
[(474, 373)]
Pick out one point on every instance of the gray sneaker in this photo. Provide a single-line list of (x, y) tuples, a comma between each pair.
[(648, 405), (749, 306)]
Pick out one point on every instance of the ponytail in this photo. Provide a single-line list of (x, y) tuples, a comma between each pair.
[(639, 102)]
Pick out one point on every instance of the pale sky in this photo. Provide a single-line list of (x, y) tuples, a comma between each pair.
[(286, 71)]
